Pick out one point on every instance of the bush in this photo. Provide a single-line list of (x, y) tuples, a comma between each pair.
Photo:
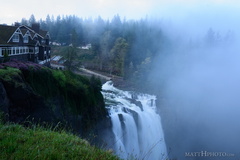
[(60, 77), (7, 73)]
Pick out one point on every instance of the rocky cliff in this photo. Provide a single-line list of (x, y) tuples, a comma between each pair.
[(33, 93)]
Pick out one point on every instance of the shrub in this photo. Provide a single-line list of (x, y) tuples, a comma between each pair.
[(60, 77), (12, 76), (7, 73)]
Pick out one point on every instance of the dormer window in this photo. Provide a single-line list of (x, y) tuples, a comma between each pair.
[(43, 41), (25, 39), (15, 38)]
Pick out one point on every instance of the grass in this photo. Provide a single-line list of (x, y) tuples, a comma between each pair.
[(18, 142)]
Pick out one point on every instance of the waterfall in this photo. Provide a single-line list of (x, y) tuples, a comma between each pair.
[(135, 123)]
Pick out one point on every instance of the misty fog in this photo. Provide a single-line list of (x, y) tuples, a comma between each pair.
[(199, 81), (186, 52)]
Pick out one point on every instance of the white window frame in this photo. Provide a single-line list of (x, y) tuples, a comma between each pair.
[(13, 50), (2, 51), (27, 50), (36, 50), (7, 50), (16, 37), (20, 50), (17, 50), (25, 39), (43, 41)]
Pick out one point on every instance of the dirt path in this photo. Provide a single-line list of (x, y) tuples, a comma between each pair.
[(101, 76), (117, 81)]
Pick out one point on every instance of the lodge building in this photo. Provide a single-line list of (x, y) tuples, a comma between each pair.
[(24, 43)]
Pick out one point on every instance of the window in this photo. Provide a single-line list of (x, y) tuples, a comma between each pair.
[(45, 50), (9, 51), (43, 41), (3, 51), (13, 50), (31, 50), (26, 50), (16, 37), (36, 50), (21, 50), (6, 51), (25, 39), (17, 50)]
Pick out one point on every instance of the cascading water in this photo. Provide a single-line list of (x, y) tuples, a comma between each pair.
[(136, 125)]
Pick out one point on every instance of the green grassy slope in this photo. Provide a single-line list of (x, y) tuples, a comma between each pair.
[(19, 143)]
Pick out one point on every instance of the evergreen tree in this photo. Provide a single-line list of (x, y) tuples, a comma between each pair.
[(118, 53), (24, 21), (31, 20)]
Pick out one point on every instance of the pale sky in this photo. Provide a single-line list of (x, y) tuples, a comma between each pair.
[(14, 10)]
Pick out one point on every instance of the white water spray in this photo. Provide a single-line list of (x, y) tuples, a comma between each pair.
[(136, 125)]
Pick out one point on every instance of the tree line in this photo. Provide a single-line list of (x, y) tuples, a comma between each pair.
[(121, 47)]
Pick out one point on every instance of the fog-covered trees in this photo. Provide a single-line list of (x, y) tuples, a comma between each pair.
[(118, 54), (120, 47), (126, 48)]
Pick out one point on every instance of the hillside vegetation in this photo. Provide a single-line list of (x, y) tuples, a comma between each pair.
[(31, 91)]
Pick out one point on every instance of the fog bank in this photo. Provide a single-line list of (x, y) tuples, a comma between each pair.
[(198, 79)]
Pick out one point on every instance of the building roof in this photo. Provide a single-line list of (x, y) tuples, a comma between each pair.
[(56, 58), (6, 32), (24, 31), (44, 33)]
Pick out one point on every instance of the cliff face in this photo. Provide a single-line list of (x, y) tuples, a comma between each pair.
[(22, 104), (4, 102), (30, 92)]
